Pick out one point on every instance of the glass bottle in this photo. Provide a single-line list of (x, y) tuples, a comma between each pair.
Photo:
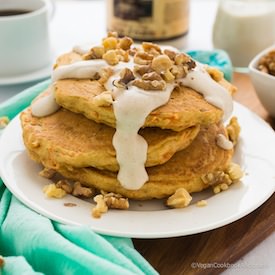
[(243, 28), (149, 20)]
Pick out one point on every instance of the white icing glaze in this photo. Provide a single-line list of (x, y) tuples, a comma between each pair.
[(199, 80), (223, 142), (45, 105), (132, 106), (80, 70)]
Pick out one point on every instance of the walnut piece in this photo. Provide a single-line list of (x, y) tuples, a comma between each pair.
[(111, 57), (94, 53), (105, 74), (151, 48), (100, 208), (4, 121), (143, 58), (141, 70), (125, 43), (162, 63), (65, 185), (126, 75), (147, 85), (110, 43), (82, 191), (181, 198), (267, 63), (234, 171), (233, 130), (152, 76), (47, 173), (52, 191)]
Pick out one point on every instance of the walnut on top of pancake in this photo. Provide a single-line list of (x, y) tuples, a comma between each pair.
[(154, 67)]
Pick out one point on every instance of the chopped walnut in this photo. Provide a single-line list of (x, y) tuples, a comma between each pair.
[(81, 191), (178, 71), (104, 99), (234, 171), (152, 76), (47, 173), (185, 61), (151, 48), (105, 74), (110, 43), (170, 54), (122, 55), (168, 76), (267, 63), (141, 70), (181, 198), (143, 58), (112, 34), (220, 187), (233, 130), (154, 85), (94, 53), (216, 178), (52, 191), (4, 121), (201, 203), (162, 63), (125, 43), (100, 208), (132, 51), (111, 57), (116, 203), (65, 185), (126, 75)]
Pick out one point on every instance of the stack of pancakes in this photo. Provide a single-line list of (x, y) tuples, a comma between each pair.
[(76, 140)]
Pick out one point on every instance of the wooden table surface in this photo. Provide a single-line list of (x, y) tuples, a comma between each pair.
[(226, 244)]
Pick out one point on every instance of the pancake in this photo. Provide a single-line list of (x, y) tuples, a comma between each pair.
[(68, 139), (185, 169), (185, 108)]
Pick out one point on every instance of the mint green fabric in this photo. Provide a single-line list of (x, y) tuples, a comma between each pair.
[(33, 244), (215, 58)]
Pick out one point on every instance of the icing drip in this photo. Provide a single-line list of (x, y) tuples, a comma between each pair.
[(223, 142), (45, 105), (199, 80), (131, 148)]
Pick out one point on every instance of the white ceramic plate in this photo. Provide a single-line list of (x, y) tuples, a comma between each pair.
[(32, 76), (255, 153)]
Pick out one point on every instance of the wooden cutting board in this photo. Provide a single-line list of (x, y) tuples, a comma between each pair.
[(223, 245)]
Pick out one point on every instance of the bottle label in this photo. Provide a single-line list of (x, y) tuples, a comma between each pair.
[(148, 19)]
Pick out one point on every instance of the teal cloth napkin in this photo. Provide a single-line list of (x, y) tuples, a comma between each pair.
[(33, 244), (215, 58)]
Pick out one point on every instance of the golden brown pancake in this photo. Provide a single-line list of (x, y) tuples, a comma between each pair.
[(185, 108), (68, 139), (184, 169)]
